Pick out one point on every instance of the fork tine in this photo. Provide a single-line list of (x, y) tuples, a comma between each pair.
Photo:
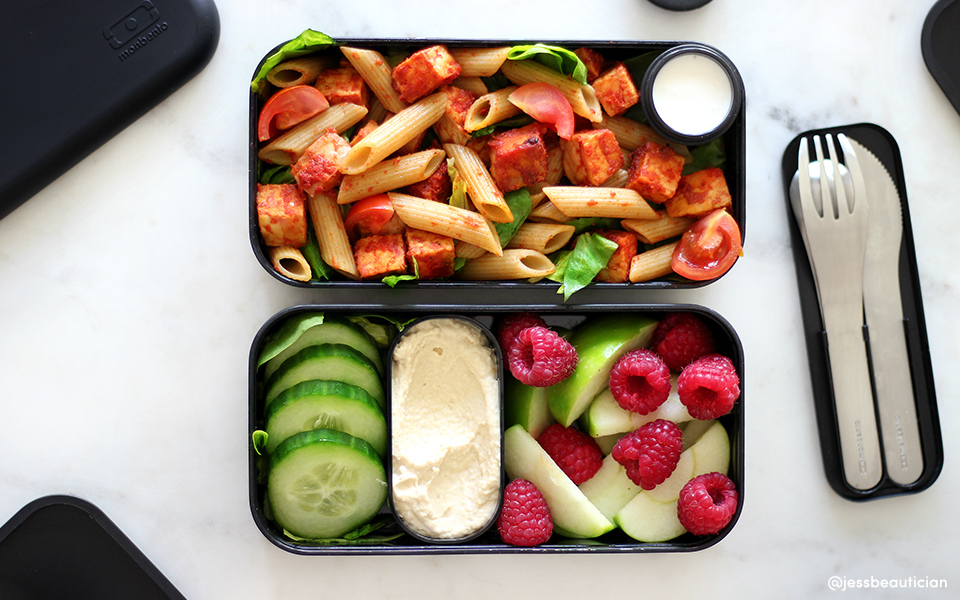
[(826, 198), (859, 200), (844, 205)]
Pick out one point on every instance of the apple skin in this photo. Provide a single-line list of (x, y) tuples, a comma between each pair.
[(527, 406), (599, 344), (573, 514)]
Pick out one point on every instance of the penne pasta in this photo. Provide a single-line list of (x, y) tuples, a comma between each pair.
[(374, 69), (471, 84), (582, 97), (390, 175), (435, 217), (288, 147), (617, 180), (483, 191), (632, 134), (491, 108), (289, 261), (542, 237), (468, 251), (652, 263), (616, 203), (547, 211), (393, 133), (297, 71), (657, 230), (514, 264), (327, 222), (480, 62)]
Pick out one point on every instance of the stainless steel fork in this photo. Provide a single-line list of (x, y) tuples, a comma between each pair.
[(836, 234)]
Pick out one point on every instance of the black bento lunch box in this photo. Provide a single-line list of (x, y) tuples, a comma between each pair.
[(733, 143), (392, 538)]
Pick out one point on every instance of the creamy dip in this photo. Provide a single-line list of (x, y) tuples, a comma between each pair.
[(693, 94), (445, 428)]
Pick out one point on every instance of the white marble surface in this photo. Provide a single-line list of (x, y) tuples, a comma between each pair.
[(130, 297)]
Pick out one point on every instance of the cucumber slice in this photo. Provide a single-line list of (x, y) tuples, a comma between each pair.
[(317, 404), (312, 329), (328, 362), (324, 483)]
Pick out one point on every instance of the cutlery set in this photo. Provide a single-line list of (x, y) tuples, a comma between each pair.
[(850, 217)]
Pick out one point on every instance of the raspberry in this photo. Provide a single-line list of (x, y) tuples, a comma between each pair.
[(709, 386), (681, 338), (576, 453), (707, 503), (651, 453), (541, 358), (514, 324), (640, 381), (525, 518)]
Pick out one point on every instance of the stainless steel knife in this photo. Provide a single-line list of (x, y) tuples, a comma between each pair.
[(883, 311)]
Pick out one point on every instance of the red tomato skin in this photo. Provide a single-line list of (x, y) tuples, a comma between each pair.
[(708, 248), (372, 213), (289, 107), (545, 104)]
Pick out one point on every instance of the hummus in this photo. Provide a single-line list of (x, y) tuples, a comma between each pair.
[(445, 429)]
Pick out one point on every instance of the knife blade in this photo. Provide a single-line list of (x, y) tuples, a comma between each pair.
[(883, 310)]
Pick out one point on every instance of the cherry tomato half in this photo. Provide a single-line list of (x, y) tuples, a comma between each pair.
[(708, 248), (545, 104), (288, 107), (369, 215)]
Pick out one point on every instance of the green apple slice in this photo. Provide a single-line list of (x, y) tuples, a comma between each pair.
[(599, 344), (573, 514), (711, 452), (669, 490), (605, 416), (646, 520), (693, 430), (610, 489), (527, 406)]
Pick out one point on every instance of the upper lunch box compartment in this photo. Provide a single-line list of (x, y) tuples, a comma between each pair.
[(717, 164)]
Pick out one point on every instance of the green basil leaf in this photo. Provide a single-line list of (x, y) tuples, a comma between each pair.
[(711, 154), (555, 57), (306, 43), (584, 223), (287, 334), (520, 205), (311, 252), (277, 174)]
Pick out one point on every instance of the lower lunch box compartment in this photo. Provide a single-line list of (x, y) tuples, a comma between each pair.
[(391, 537)]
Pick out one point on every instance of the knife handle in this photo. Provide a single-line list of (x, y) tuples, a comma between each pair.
[(853, 397), (895, 400)]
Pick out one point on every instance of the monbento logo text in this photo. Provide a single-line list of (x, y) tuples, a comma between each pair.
[(134, 30)]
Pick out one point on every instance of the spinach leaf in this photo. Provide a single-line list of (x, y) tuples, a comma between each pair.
[(306, 43), (520, 205), (711, 154), (581, 265), (558, 59)]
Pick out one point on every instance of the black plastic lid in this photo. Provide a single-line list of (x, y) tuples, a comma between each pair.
[(940, 46), (649, 105), (61, 547), (680, 4), (77, 73)]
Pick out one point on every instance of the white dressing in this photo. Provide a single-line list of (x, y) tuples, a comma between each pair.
[(692, 94)]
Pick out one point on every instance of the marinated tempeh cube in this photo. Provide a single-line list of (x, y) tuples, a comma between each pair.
[(282, 214)]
